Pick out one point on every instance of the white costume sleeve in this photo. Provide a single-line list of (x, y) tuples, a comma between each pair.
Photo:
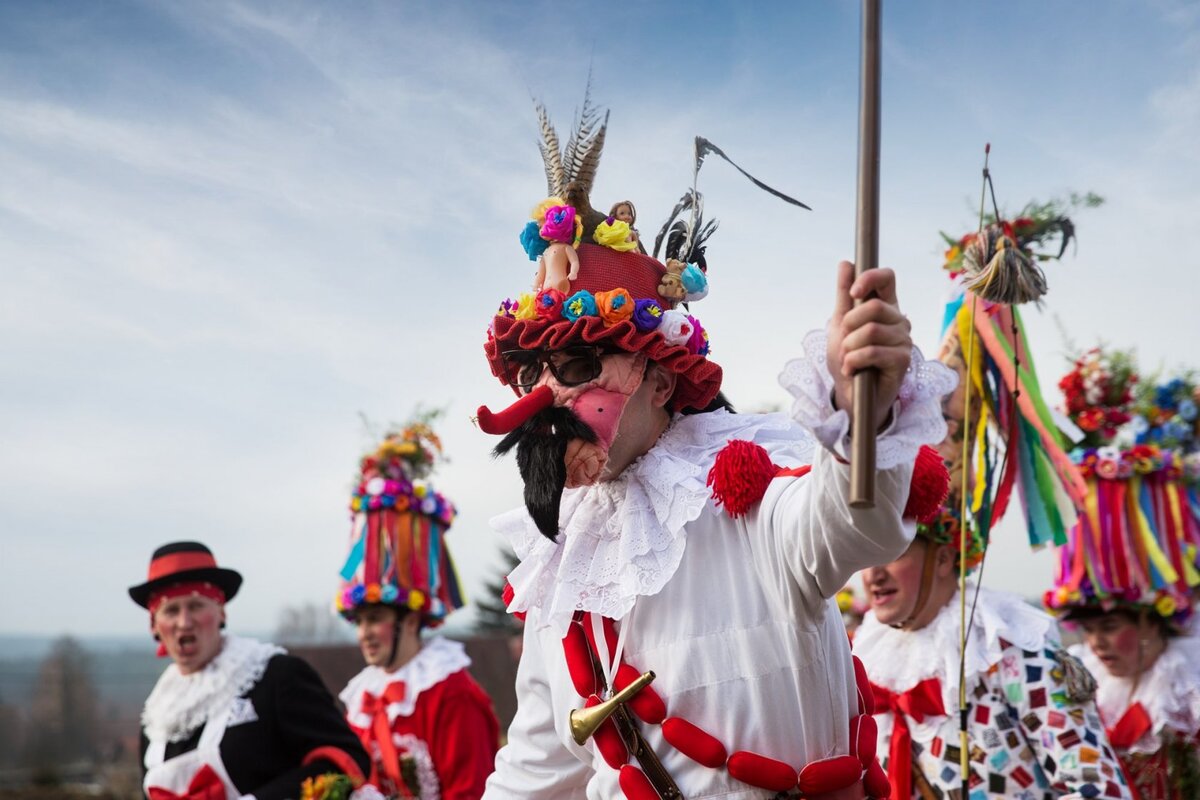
[(804, 534), (535, 764)]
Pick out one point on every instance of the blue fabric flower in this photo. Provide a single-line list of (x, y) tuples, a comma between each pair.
[(1187, 409), (1164, 396), (580, 304), (532, 241), (389, 594)]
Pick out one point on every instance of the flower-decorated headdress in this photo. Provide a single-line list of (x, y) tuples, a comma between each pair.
[(397, 554), (1136, 547)]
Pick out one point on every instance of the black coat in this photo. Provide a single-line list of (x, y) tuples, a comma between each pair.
[(296, 715)]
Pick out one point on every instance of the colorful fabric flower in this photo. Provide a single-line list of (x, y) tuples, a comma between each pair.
[(549, 303), (698, 343), (532, 241), (1187, 409), (695, 283), (559, 225), (580, 304), (614, 233), (614, 306), (676, 328), (416, 599), (508, 308), (647, 314), (526, 307)]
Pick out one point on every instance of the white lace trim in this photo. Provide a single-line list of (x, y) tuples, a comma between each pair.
[(623, 539), (899, 660), (437, 660), (181, 703), (917, 414), (1169, 691)]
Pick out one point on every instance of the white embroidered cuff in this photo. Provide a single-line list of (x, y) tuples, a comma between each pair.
[(916, 414)]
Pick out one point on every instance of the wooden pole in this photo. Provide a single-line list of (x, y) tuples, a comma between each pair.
[(866, 252)]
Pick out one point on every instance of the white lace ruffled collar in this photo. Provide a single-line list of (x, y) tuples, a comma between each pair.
[(181, 703), (437, 660), (624, 539), (1169, 691), (899, 660)]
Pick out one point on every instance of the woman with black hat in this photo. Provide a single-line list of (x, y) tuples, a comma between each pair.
[(230, 717)]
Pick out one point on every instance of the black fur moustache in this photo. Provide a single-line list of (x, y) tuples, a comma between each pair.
[(541, 443)]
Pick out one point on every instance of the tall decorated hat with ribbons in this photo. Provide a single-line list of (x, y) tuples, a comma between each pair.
[(1002, 435), (1137, 544), (397, 551)]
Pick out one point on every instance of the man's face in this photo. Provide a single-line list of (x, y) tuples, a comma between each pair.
[(376, 628), (190, 628), (893, 589), (1123, 644)]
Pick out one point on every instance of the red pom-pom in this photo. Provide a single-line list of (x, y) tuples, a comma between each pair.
[(930, 485), (579, 661), (647, 703), (740, 475), (866, 695), (830, 774), (160, 651), (608, 740), (760, 771), (876, 782), (635, 784), (864, 738), (694, 743), (507, 596)]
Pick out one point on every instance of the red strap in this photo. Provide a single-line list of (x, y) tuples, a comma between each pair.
[(1133, 725), (923, 699), (173, 563), (339, 758), (794, 472), (205, 785)]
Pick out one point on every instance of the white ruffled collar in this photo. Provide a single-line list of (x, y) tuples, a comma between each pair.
[(437, 660), (181, 703), (624, 539), (1169, 691), (898, 660)]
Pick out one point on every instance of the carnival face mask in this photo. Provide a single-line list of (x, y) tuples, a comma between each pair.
[(566, 422)]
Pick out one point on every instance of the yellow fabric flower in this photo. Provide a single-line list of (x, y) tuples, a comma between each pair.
[(526, 307), (1165, 605), (614, 234), (416, 599)]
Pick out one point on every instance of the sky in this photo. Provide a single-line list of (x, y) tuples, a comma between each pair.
[(237, 240)]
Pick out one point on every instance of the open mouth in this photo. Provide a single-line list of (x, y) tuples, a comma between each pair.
[(880, 597), (187, 644)]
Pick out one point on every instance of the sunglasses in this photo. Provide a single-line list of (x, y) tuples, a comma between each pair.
[(571, 366)]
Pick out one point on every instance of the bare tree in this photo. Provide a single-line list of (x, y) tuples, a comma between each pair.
[(62, 717), (310, 623)]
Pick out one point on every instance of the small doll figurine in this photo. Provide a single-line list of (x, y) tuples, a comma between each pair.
[(559, 264), (682, 281), (625, 212)]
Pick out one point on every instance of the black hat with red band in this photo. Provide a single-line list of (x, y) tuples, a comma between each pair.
[(184, 562)]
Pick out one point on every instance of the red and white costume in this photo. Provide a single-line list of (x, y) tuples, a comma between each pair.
[(437, 718), (735, 616)]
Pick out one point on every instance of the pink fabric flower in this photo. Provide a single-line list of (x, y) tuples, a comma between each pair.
[(559, 225)]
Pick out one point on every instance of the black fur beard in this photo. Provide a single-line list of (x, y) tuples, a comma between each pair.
[(541, 443)]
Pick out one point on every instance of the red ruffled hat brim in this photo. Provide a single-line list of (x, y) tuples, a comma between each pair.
[(698, 381)]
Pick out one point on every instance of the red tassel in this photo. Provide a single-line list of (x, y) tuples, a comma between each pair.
[(929, 487), (636, 785), (694, 743), (608, 740), (740, 475), (866, 695), (647, 703), (763, 772), (864, 739), (579, 662), (161, 652), (876, 783), (830, 774)]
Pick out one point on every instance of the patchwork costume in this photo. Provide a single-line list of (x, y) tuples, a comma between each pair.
[(252, 723), (1032, 729), (1135, 549), (724, 591), (428, 726)]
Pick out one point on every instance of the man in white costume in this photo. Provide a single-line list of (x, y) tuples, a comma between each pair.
[(705, 546)]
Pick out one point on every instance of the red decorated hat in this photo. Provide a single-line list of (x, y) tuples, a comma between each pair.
[(618, 300), (184, 562)]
